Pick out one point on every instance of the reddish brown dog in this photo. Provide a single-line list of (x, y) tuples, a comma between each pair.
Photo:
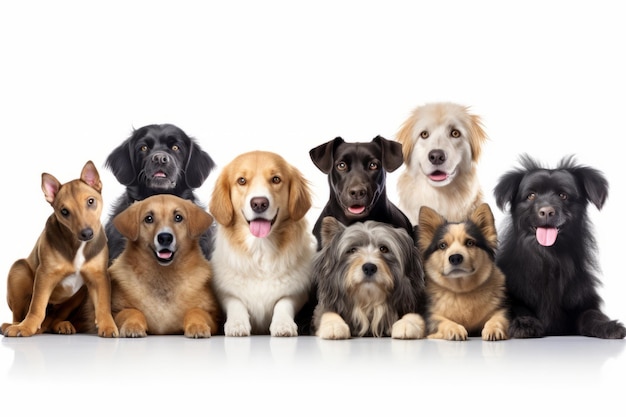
[(68, 261)]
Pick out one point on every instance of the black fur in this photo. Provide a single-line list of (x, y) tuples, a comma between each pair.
[(552, 289), (181, 164)]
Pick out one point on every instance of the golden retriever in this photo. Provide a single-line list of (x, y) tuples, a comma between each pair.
[(263, 246), (161, 282), (441, 146)]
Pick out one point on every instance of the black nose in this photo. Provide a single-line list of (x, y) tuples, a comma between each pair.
[(160, 158), (369, 269), (357, 193), (165, 239), (259, 204), (437, 157), (546, 211), (456, 259), (86, 234)]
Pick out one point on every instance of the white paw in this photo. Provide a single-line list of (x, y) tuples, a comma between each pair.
[(237, 328), (286, 328)]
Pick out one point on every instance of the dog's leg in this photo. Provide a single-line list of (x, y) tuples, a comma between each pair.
[(332, 326), (198, 323), (496, 328), (99, 287), (409, 326), (56, 320), (594, 323), (237, 318), (283, 323), (131, 323), (20, 283), (447, 329)]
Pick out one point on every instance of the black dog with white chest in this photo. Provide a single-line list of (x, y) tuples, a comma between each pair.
[(547, 250), (157, 159)]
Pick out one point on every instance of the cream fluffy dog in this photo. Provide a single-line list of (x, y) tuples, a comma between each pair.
[(263, 246), (441, 145)]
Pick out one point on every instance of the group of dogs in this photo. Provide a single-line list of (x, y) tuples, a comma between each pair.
[(248, 263)]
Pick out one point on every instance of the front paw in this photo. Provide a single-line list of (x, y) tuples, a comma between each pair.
[(526, 327), (133, 329), (610, 330), (63, 327), (198, 331), (286, 328), (449, 331), (108, 328), (237, 328), (18, 330), (410, 326), (333, 327)]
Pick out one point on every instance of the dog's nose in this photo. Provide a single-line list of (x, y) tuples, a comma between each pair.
[(456, 259), (369, 269), (86, 234), (160, 158), (165, 239), (546, 211), (259, 204), (437, 157), (358, 193)]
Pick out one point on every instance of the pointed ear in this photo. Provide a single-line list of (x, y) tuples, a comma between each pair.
[(322, 155), (91, 177), (392, 153), (50, 186), (199, 165), (198, 219), (127, 222), (482, 217), (429, 222), (300, 199), (330, 227), (221, 206)]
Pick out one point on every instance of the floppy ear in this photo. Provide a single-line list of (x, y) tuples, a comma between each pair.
[(121, 161), (127, 222), (300, 200), (199, 165), (506, 188), (198, 219), (391, 153), (90, 176), (477, 136), (594, 184), (330, 227), (50, 186), (221, 206), (429, 222), (482, 217), (405, 136), (322, 155)]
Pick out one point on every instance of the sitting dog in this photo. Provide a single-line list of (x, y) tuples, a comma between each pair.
[(263, 249), (465, 288), (370, 282), (69, 259), (548, 250), (157, 159), (161, 282), (441, 145), (357, 176)]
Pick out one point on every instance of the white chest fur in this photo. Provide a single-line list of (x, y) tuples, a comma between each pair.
[(71, 283)]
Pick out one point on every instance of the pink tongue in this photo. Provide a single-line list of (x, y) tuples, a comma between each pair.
[(546, 236), (356, 209), (260, 228), (438, 176), (165, 254)]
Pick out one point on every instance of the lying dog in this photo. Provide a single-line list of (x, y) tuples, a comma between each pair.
[(357, 175), (161, 282), (69, 258), (263, 249), (441, 145), (370, 282), (548, 249), (465, 288), (157, 159)]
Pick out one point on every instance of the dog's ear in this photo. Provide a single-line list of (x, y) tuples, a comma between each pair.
[(221, 206), (199, 164), (198, 220), (50, 186), (429, 222), (477, 136), (300, 200), (127, 222), (591, 181), (482, 217), (322, 155), (121, 161), (90, 176), (405, 136), (330, 227), (506, 188), (391, 153)]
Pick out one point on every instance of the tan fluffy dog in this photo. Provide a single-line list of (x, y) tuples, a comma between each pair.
[(441, 146), (161, 282), (465, 288), (69, 259), (263, 246)]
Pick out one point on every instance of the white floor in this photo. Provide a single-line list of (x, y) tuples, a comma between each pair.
[(309, 376)]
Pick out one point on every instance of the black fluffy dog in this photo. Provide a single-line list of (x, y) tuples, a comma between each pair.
[(548, 250), (357, 176), (157, 159)]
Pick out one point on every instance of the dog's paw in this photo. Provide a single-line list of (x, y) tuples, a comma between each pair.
[(237, 328), (108, 330), (286, 328), (332, 326), (198, 331), (410, 326), (496, 328), (610, 330), (449, 331), (63, 327), (18, 330), (130, 329), (526, 327)]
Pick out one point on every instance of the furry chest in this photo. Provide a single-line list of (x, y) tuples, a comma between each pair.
[(71, 283)]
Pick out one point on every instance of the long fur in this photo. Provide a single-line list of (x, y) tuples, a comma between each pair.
[(553, 288), (369, 282), (446, 139), (263, 246), (465, 288), (157, 159)]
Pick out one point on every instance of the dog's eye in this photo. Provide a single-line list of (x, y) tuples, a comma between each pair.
[(342, 166), (241, 181), (144, 148), (563, 196), (175, 147), (384, 249), (531, 196), (148, 219), (373, 166), (65, 212), (442, 246), (351, 251), (455, 133), (178, 218), (424, 134), (91, 201), (470, 242), (276, 180)]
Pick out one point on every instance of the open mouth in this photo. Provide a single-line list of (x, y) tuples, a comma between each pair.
[(356, 209), (438, 176), (164, 256), (261, 227), (546, 236), (159, 174)]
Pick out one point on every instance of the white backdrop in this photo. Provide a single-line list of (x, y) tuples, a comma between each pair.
[(285, 76)]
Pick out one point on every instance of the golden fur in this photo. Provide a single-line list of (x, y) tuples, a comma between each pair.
[(262, 273), (465, 288), (456, 136), (168, 293)]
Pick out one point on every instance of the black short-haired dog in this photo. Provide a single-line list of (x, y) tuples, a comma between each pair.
[(157, 159), (547, 250)]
